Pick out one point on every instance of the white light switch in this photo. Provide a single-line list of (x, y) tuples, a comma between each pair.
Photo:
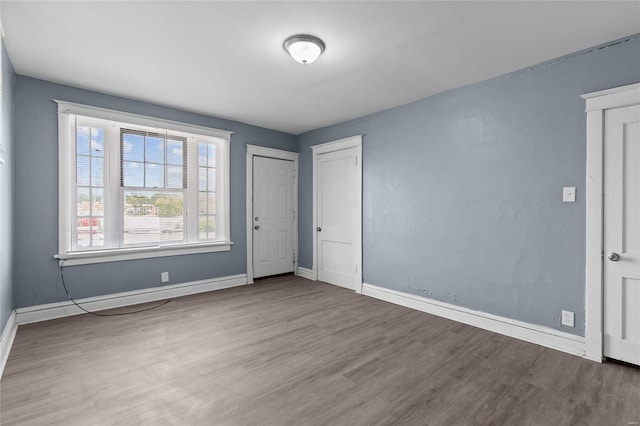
[(569, 194)]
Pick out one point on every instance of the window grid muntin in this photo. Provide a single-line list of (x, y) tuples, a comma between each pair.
[(165, 137), (207, 164)]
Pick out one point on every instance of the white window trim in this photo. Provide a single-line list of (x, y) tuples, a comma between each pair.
[(65, 179)]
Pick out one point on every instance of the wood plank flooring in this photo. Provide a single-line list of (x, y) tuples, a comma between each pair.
[(288, 351)]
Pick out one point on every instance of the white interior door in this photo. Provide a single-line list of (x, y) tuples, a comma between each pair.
[(337, 210), (273, 210), (622, 234)]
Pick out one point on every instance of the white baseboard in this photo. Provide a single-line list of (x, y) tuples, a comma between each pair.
[(305, 273), (63, 309), (532, 333), (6, 340)]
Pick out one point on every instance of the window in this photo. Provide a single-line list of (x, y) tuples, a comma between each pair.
[(134, 187)]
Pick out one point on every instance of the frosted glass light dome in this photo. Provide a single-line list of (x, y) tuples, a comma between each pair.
[(304, 48)]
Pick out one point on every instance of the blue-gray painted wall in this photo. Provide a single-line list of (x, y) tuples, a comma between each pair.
[(462, 191), (6, 190), (36, 200)]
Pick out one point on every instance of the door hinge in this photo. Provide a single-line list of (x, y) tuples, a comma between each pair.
[(294, 258), (356, 160)]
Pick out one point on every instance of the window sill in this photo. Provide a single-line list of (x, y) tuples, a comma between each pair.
[(115, 255)]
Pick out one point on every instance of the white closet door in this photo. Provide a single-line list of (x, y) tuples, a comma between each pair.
[(622, 234), (337, 201)]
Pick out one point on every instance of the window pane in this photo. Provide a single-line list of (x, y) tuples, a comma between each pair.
[(97, 231), (97, 202), (211, 205), (212, 180), (212, 227), (89, 232), (97, 142), (174, 176), (174, 152), (202, 203), (82, 140), (202, 179), (83, 232), (83, 202), (133, 174), (82, 171), (202, 154), (97, 171), (171, 229), (170, 210), (212, 156), (155, 150), (133, 147), (169, 205), (202, 234), (141, 222), (155, 176), (207, 227), (152, 217)]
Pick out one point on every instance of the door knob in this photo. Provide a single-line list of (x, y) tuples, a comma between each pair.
[(256, 227), (318, 229), (614, 257)]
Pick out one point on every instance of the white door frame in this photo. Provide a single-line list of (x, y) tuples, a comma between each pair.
[(338, 145), (260, 151), (597, 103)]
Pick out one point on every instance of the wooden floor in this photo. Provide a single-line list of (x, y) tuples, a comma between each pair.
[(289, 351)]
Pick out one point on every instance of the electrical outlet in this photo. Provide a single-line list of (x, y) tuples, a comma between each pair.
[(568, 318), (164, 277)]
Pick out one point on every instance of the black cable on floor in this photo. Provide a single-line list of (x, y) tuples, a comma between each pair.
[(64, 284)]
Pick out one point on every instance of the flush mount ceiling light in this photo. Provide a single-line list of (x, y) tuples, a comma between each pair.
[(304, 48)]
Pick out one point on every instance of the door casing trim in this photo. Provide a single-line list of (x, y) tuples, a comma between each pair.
[(260, 151), (596, 105), (339, 145)]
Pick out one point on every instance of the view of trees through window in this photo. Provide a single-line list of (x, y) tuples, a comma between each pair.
[(152, 189), (153, 217), (133, 186)]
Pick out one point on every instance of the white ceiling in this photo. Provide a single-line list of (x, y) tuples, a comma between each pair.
[(225, 59)]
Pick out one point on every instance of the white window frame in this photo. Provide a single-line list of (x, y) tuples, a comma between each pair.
[(66, 185)]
